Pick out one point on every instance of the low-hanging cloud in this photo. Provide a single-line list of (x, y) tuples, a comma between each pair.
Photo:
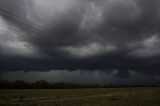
[(44, 35)]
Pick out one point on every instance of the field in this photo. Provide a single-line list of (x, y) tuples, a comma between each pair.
[(81, 97)]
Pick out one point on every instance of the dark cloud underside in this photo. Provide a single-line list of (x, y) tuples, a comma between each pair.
[(90, 34)]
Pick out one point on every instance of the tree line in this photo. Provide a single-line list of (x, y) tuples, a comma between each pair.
[(43, 84)]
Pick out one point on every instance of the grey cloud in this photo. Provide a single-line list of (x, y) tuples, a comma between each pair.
[(89, 35), (147, 48)]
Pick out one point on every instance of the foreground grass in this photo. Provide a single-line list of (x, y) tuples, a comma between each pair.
[(82, 97)]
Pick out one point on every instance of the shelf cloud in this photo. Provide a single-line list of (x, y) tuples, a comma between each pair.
[(104, 35)]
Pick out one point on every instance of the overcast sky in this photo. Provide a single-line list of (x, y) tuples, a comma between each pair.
[(103, 35)]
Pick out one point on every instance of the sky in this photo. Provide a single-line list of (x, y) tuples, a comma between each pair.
[(42, 36)]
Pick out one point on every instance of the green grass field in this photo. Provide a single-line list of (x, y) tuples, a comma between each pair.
[(81, 97)]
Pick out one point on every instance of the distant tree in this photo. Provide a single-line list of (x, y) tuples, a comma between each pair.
[(41, 84), (20, 84), (6, 84)]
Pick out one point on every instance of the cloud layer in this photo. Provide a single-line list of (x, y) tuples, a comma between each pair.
[(89, 34)]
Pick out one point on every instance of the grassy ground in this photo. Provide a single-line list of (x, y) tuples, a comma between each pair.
[(81, 97)]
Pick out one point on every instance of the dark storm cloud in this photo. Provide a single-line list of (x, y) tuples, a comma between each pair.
[(14, 6), (88, 34)]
